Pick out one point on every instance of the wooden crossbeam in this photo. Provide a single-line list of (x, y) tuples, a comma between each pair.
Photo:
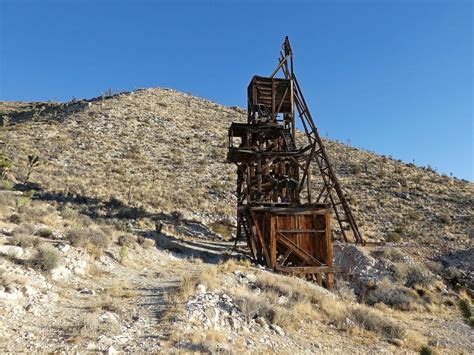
[(302, 254), (308, 269)]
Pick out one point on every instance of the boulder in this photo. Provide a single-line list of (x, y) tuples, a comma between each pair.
[(11, 250)]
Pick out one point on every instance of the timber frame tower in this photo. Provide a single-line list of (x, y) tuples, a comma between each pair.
[(286, 227)]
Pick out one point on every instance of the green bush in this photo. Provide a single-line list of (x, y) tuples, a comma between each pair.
[(426, 350), (45, 259)]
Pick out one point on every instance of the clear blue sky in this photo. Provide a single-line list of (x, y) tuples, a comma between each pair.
[(394, 77)]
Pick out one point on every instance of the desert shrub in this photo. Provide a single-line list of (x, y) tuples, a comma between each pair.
[(414, 215), (90, 325), (445, 218), (44, 232), (395, 255), (355, 168), (92, 234), (373, 321), (413, 274), (126, 240), (123, 253), (6, 184), (392, 295), (15, 218), (253, 306), (426, 350), (24, 240), (77, 237), (393, 237), (222, 229), (45, 259), (146, 242), (23, 201), (9, 281), (465, 308), (435, 267), (99, 238), (453, 273), (69, 213), (27, 229)]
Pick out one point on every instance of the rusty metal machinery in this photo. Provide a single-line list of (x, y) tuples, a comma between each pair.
[(274, 177)]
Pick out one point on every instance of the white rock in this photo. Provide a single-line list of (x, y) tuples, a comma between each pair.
[(63, 247), (111, 350), (201, 289), (278, 329), (60, 273), (29, 291), (251, 277), (11, 296), (11, 250), (80, 268)]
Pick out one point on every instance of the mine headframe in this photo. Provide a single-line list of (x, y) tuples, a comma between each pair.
[(285, 226)]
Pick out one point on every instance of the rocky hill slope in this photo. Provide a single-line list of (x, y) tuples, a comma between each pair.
[(116, 168)]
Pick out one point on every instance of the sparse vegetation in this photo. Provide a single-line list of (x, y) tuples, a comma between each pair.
[(373, 321), (465, 307), (92, 234), (393, 237), (44, 232), (395, 201), (33, 161), (45, 259), (426, 350), (392, 295), (413, 274), (24, 240)]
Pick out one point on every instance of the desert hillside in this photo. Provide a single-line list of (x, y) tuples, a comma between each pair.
[(121, 232)]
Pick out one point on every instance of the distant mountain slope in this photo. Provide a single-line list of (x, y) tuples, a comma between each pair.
[(159, 150)]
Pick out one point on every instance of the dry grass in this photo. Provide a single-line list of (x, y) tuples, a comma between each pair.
[(91, 235), (25, 240), (9, 281), (233, 265), (90, 325), (120, 290), (373, 320)]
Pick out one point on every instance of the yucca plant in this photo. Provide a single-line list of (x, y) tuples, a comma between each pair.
[(33, 161)]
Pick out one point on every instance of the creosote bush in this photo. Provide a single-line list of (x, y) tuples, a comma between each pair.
[(45, 259)]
